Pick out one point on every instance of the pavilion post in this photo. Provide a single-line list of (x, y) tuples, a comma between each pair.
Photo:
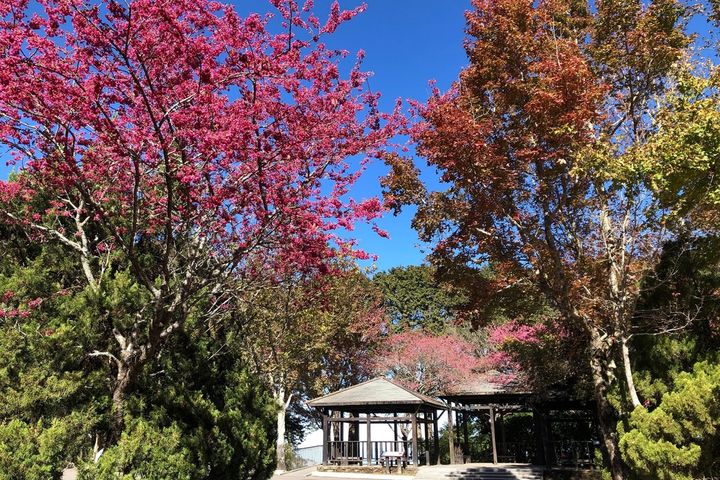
[(538, 428), (414, 439), (503, 440), (492, 434), (436, 438), (451, 435), (466, 439), (458, 419), (427, 438), (369, 442), (326, 439), (395, 432)]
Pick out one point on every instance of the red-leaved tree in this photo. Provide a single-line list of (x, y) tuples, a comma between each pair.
[(182, 143), (535, 146), (429, 364)]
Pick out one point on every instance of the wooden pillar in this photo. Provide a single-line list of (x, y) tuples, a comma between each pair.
[(451, 435), (539, 457), (436, 438), (326, 439), (414, 439), (466, 436), (458, 419), (547, 440), (395, 438), (369, 441), (501, 418), (492, 434), (427, 432)]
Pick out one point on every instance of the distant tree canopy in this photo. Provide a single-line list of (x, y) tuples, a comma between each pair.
[(414, 299), (305, 336)]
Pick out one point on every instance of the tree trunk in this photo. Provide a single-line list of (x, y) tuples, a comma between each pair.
[(282, 403), (606, 419), (118, 401), (630, 383)]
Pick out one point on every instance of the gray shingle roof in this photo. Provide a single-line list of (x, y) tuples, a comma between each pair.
[(378, 391)]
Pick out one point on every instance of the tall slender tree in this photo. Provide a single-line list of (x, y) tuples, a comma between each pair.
[(535, 143), (306, 335)]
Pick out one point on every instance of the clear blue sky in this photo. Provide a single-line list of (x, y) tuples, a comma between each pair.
[(407, 43)]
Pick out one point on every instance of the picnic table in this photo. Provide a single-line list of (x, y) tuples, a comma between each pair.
[(396, 456)]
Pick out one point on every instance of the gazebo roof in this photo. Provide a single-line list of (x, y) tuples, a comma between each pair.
[(379, 393)]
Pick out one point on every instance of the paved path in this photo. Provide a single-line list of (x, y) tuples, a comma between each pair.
[(310, 473)]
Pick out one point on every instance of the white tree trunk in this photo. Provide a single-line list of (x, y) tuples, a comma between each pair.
[(280, 445), (628, 373)]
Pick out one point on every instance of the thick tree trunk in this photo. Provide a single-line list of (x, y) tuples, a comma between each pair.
[(627, 368), (123, 381), (599, 362), (280, 445)]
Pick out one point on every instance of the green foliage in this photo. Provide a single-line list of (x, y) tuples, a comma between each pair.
[(682, 294), (146, 451), (680, 438), (681, 159), (415, 300), (191, 414), (39, 451)]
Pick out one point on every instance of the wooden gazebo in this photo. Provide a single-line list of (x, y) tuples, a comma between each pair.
[(549, 416), (379, 401)]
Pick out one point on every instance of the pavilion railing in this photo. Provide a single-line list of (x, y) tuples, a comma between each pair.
[(574, 453), (516, 452), (354, 452)]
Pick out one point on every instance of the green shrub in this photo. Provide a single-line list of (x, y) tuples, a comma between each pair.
[(679, 439)]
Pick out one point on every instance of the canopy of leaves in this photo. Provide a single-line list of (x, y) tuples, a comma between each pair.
[(190, 415), (429, 364), (678, 440), (683, 159), (415, 300)]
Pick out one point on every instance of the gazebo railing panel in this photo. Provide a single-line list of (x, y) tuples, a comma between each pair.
[(347, 452), (574, 453), (516, 452), (354, 452)]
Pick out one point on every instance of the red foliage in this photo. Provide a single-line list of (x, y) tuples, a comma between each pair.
[(426, 363), (166, 119)]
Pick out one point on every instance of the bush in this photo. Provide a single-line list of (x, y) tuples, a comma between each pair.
[(679, 440)]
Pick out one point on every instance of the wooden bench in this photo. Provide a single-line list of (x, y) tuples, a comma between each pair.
[(348, 460), (397, 456)]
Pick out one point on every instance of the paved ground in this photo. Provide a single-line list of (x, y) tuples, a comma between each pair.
[(310, 473), (295, 474)]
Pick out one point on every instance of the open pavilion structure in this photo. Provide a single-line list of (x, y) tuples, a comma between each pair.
[(552, 429), (488, 423), (413, 417)]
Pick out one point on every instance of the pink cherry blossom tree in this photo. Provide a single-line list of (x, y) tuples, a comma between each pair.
[(185, 144), (429, 364)]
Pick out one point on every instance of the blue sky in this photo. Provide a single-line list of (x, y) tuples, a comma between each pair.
[(407, 43)]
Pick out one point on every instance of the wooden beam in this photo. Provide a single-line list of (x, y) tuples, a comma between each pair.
[(492, 434), (414, 440), (458, 419), (325, 440), (404, 418), (466, 436), (369, 442), (436, 438), (427, 437), (451, 436)]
